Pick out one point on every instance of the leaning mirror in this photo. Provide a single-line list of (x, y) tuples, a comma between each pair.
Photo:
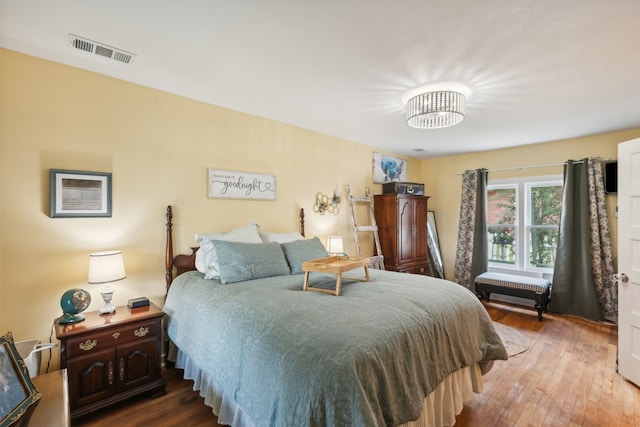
[(436, 267)]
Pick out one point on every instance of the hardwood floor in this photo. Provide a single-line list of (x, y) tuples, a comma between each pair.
[(566, 378)]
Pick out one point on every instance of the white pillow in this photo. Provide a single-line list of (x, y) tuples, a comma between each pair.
[(206, 255), (247, 230), (268, 237)]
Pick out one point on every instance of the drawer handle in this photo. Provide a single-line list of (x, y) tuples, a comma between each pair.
[(116, 335), (141, 332), (110, 372), (121, 369), (88, 345)]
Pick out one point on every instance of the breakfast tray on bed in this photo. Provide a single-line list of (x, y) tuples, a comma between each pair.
[(334, 265)]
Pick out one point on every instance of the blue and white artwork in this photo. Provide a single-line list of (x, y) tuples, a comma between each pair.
[(388, 169)]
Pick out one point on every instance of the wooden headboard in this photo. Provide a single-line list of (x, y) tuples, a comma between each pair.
[(182, 263)]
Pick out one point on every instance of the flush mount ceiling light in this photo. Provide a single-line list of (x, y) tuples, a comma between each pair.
[(433, 110)]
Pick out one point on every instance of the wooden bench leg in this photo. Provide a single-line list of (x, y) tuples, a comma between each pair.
[(540, 309), (542, 300), (483, 295)]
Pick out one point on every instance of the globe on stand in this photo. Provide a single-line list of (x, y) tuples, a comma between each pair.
[(74, 302)]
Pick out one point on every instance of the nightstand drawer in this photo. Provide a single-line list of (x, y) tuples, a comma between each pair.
[(94, 342)]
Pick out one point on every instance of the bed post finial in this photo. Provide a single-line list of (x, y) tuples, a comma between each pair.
[(302, 221), (168, 261), (169, 218)]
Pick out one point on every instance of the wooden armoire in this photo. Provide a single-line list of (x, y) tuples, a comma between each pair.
[(402, 227)]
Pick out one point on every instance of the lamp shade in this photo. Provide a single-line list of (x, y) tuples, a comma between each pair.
[(334, 245), (106, 267)]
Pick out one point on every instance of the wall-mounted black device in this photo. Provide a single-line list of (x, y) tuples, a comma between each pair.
[(611, 177)]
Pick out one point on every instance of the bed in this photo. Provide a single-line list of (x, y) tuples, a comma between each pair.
[(400, 349)]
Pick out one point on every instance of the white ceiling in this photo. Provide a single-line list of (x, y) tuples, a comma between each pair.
[(534, 70)]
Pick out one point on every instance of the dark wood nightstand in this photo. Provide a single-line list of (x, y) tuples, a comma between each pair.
[(112, 357)]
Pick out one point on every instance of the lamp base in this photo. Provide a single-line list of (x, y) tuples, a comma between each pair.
[(107, 294), (107, 309)]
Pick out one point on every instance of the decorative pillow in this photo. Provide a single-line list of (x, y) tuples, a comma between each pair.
[(247, 261), (206, 256), (300, 251), (268, 236)]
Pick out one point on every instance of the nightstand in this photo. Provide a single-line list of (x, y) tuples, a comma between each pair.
[(112, 357), (52, 410)]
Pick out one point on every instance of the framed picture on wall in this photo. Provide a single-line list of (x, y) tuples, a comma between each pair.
[(17, 392), (388, 169), (80, 194)]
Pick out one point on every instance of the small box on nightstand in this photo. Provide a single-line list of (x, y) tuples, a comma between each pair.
[(138, 302)]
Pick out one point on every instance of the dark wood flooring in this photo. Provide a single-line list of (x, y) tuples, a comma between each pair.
[(566, 378)]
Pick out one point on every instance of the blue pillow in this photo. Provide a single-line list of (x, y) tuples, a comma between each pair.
[(300, 251), (246, 261)]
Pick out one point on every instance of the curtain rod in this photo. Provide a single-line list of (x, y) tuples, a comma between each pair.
[(532, 166)]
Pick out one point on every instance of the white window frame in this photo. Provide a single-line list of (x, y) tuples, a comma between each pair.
[(523, 219)]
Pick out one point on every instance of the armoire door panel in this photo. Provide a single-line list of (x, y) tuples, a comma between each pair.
[(406, 231)]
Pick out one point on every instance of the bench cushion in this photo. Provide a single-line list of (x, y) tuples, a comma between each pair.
[(514, 282)]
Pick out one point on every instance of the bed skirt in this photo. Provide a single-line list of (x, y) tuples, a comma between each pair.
[(439, 408)]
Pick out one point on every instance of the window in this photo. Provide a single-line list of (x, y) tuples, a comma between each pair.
[(502, 224), (523, 219)]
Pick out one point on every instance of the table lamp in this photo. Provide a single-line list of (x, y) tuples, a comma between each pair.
[(334, 245), (105, 268)]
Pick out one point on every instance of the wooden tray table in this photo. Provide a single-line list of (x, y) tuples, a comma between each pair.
[(334, 265)]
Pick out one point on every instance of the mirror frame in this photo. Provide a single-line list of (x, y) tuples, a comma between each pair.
[(436, 266)]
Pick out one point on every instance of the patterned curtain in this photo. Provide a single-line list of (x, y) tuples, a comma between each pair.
[(601, 249), (583, 281), (472, 249)]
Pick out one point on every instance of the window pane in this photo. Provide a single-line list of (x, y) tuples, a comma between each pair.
[(502, 246), (543, 247), (546, 204), (501, 206)]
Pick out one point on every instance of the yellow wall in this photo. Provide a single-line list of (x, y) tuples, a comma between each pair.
[(443, 181), (158, 147)]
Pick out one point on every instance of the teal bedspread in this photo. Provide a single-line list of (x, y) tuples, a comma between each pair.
[(295, 358)]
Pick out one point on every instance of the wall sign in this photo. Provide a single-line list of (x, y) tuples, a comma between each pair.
[(226, 184)]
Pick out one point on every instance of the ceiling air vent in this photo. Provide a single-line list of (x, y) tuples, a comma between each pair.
[(101, 49)]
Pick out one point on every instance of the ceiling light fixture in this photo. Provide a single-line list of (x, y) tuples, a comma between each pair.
[(433, 110)]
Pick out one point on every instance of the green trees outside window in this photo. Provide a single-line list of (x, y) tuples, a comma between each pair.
[(546, 205), (523, 221), (501, 224)]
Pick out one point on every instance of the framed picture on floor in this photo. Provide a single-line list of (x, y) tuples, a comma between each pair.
[(17, 392)]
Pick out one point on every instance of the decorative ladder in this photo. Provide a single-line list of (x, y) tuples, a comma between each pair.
[(377, 261)]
